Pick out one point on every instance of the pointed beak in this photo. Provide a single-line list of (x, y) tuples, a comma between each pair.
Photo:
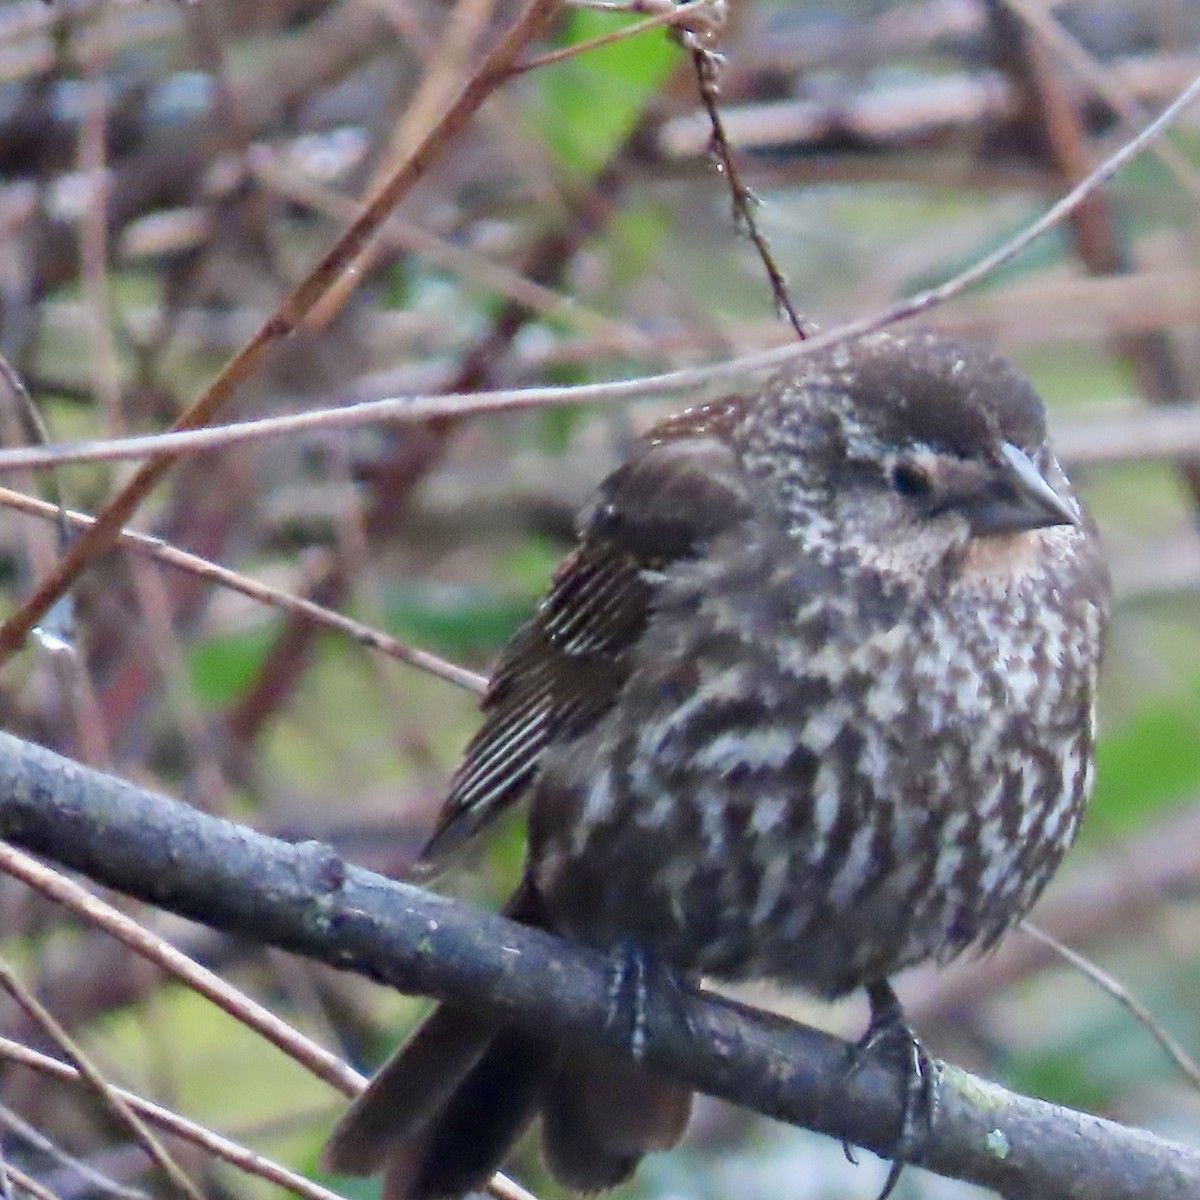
[(1020, 499)]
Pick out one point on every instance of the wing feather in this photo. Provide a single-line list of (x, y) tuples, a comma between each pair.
[(565, 668)]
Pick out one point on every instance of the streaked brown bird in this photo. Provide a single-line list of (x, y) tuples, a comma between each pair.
[(812, 701)]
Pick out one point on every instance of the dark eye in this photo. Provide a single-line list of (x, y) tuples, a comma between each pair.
[(909, 480)]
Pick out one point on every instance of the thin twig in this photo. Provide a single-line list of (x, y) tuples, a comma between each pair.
[(37, 1012), (27, 1184), (446, 68), (533, 19), (404, 409), (707, 65), (1187, 1065), (221, 1147), (154, 606), (38, 1141), (423, 408), (171, 556), (314, 1058), (271, 169)]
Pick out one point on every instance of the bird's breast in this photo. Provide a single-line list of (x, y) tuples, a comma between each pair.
[(816, 777)]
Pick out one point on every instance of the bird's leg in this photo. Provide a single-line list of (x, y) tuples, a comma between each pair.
[(890, 1034), (633, 973)]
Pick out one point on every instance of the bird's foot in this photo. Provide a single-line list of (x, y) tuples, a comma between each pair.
[(889, 1035), (633, 975)]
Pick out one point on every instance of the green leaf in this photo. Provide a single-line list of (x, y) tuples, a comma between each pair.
[(557, 425), (588, 105), (1153, 761)]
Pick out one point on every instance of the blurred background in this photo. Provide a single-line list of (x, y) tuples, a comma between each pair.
[(169, 171)]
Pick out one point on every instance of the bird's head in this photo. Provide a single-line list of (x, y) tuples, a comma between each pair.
[(905, 449)]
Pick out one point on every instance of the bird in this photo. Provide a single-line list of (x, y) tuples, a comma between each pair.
[(811, 701)]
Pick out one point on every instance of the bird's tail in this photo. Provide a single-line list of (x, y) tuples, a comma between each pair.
[(441, 1115)]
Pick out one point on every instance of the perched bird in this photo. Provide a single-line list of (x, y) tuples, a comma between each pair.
[(812, 701)]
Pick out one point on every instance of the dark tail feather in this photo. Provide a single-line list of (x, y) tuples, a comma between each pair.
[(471, 1136), (409, 1090), (443, 1112), (602, 1116)]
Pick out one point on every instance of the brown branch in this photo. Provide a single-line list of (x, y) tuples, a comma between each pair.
[(707, 65), (546, 261), (1058, 131), (304, 609), (532, 21), (424, 408)]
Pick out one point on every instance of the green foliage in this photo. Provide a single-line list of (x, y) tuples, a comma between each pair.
[(1152, 761), (459, 621), (588, 105), (358, 1189), (1073, 377), (1062, 1075), (1137, 500), (221, 668), (394, 286), (556, 425), (637, 235), (527, 568), (464, 622), (208, 1049), (1047, 252)]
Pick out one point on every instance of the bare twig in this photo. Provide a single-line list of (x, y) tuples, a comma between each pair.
[(55, 634), (25, 1183), (224, 1148), (471, 266), (423, 408), (534, 18), (446, 69), (93, 1078), (171, 556), (316, 1059), (707, 65), (1122, 995), (43, 1145)]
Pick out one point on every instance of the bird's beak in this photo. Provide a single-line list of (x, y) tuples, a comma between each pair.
[(1019, 499)]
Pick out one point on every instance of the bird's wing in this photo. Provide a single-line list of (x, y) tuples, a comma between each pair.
[(566, 667)]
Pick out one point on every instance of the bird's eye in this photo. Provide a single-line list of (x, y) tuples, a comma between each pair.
[(909, 480)]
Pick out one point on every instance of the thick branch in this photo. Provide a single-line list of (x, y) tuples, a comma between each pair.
[(305, 899)]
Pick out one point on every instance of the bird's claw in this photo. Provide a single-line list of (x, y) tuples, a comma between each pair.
[(632, 975), (890, 1036)]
